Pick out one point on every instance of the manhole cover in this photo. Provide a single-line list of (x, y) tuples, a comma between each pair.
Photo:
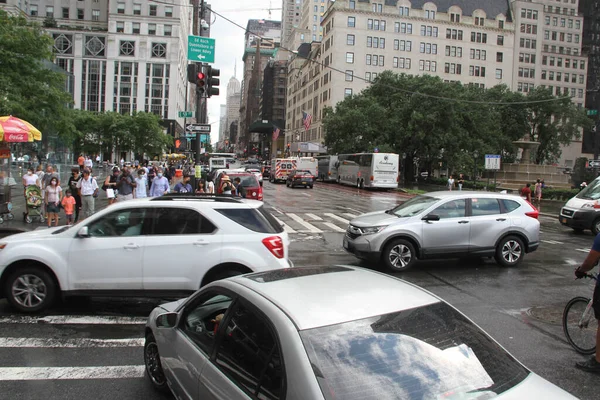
[(549, 314)]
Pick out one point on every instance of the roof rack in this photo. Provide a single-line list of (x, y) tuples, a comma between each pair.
[(224, 198)]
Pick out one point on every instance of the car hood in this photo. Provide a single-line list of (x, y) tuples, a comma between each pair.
[(536, 387), (172, 306), (32, 235), (374, 219)]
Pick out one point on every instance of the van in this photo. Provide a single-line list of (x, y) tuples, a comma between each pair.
[(583, 211)]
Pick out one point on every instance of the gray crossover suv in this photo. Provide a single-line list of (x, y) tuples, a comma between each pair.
[(446, 225)]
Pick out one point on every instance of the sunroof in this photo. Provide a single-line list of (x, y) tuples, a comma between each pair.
[(290, 273)]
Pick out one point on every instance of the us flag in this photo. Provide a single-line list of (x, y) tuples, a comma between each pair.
[(276, 133), (306, 120)]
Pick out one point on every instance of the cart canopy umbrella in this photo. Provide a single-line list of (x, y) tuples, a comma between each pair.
[(15, 130)]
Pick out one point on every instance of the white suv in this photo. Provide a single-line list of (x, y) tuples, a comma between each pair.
[(165, 246)]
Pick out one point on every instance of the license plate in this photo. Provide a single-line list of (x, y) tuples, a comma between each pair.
[(304, 183), (563, 220)]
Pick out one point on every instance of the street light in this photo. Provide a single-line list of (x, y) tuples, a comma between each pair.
[(475, 156), (403, 170)]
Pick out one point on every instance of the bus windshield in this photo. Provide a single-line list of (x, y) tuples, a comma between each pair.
[(591, 192)]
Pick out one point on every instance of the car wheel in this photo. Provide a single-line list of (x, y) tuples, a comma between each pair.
[(510, 251), (228, 273), (596, 226), (399, 255), (311, 186), (153, 366), (30, 289)]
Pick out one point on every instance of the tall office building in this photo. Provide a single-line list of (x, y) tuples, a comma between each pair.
[(290, 19), (222, 125), (234, 96)]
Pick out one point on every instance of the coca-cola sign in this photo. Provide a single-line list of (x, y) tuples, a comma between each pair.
[(16, 137)]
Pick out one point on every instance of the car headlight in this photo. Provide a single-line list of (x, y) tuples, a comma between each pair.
[(588, 205), (371, 230)]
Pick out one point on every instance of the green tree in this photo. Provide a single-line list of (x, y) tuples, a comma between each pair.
[(147, 135)]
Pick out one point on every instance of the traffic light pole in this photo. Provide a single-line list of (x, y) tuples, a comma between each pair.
[(198, 9)]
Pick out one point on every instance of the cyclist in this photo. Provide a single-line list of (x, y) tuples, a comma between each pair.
[(593, 364)]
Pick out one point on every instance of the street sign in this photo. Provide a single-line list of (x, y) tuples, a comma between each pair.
[(492, 161), (201, 49), (592, 112), (198, 128), (185, 114)]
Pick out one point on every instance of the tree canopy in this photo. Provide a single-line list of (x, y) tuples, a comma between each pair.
[(431, 121)]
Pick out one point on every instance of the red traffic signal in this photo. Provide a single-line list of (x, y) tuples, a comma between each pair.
[(201, 81), (201, 75)]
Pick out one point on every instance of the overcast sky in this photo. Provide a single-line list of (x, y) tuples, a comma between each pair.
[(230, 43)]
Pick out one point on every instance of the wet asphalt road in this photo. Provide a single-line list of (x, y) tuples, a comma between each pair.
[(520, 307)]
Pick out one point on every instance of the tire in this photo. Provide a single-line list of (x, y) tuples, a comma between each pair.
[(596, 226), (28, 219), (36, 289), (578, 231), (228, 273), (152, 365), (311, 186), (510, 251), (399, 255), (582, 339)]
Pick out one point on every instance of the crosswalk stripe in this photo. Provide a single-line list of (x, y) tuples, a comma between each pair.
[(350, 215), (314, 217), (552, 242), (11, 342), (583, 250), (286, 227), (48, 373), (74, 319), (333, 226), (330, 215), (305, 224)]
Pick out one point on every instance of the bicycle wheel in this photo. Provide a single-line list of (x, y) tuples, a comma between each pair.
[(582, 338)]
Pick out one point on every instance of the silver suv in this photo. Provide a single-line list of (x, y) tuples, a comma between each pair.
[(446, 225)]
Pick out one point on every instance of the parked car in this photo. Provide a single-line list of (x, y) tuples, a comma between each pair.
[(317, 333), (257, 173), (446, 225), (250, 188), (300, 177), (165, 246)]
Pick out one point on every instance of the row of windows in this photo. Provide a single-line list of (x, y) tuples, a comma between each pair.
[(529, 28), (563, 22), (565, 91), (425, 65), (561, 36), (375, 60), (152, 9), (526, 73), (428, 48), (376, 42), (135, 28), (527, 58), (529, 14), (551, 61), (563, 76), (524, 87), (565, 10), (66, 12)]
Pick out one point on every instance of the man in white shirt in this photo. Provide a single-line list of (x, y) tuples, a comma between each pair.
[(88, 190), (88, 163)]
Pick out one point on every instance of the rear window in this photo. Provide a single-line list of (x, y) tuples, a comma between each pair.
[(245, 180), (255, 219), (428, 352)]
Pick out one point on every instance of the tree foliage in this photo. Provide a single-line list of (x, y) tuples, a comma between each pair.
[(413, 115)]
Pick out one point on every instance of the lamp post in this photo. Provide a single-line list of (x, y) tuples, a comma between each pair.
[(475, 156), (403, 170)]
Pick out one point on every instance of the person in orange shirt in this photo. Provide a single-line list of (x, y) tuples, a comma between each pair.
[(81, 161), (68, 203)]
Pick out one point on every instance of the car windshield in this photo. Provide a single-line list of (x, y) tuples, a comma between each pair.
[(591, 191), (413, 206), (428, 352)]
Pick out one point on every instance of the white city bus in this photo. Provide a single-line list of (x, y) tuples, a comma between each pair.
[(232, 159), (369, 170), (327, 168)]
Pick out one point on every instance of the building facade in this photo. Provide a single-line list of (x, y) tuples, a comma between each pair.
[(233, 99), (222, 125), (124, 56), (272, 104), (290, 20), (590, 11)]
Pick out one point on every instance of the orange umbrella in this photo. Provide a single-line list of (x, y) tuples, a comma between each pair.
[(14, 129)]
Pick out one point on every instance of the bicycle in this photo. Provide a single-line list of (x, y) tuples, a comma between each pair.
[(579, 323)]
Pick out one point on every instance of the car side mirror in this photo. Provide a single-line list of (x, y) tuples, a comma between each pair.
[(166, 320), (431, 217), (84, 232)]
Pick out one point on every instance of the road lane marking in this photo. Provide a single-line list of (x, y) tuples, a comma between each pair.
[(286, 227), (570, 261), (305, 224), (68, 343), (315, 217), (552, 242), (48, 373), (330, 215), (355, 210), (333, 226), (583, 250), (350, 215), (306, 194), (74, 319)]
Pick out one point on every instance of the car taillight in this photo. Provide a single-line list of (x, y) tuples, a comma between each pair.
[(372, 178), (533, 214), (275, 245)]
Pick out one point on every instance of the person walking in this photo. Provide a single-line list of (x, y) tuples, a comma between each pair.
[(210, 186), (125, 185), (537, 193), (111, 183), (46, 182), (81, 162), (450, 183), (461, 181), (160, 184), (141, 185), (526, 192), (72, 185), (184, 186), (69, 205), (52, 199), (88, 190), (200, 188)]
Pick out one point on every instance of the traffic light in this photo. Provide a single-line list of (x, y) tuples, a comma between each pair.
[(213, 81), (191, 73), (201, 80)]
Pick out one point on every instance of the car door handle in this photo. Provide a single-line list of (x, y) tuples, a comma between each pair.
[(200, 243), (131, 246), (500, 219), (463, 222)]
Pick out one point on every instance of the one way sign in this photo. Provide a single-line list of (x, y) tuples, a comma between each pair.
[(201, 49)]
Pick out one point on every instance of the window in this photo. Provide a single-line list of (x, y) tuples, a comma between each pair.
[(501, 24), (454, 34), (250, 355), (159, 50), (403, 11), (498, 73), (478, 37), (135, 28), (368, 59), (352, 22), (65, 12), (483, 206), (168, 11), (151, 29), (120, 27), (348, 92), (381, 60), (137, 9), (127, 222), (349, 76), (454, 51), (429, 14), (200, 321), (80, 13), (33, 10), (152, 10), (476, 71), (499, 57), (50, 11), (127, 48), (500, 41), (479, 21), (455, 17), (451, 209), (350, 58), (180, 221), (120, 8), (95, 15), (452, 68), (350, 40), (168, 30), (476, 54)]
